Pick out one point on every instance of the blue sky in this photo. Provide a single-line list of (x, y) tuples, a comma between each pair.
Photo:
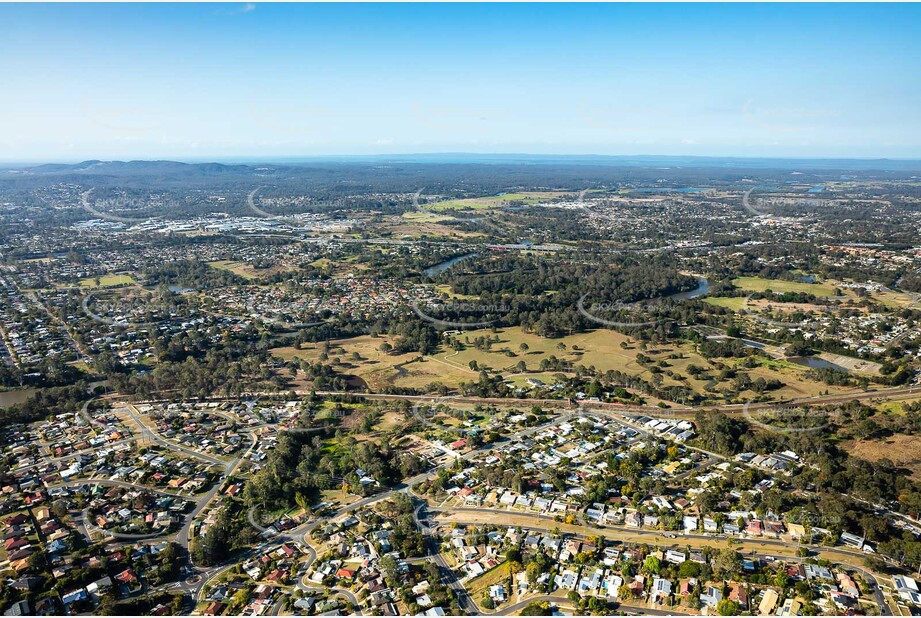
[(282, 80)]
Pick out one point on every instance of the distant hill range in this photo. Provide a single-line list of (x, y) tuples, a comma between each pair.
[(172, 168), (134, 168), (453, 173)]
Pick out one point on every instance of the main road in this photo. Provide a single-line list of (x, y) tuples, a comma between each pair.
[(467, 516)]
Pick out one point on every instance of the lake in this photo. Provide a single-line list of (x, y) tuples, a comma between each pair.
[(9, 398), (703, 287), (437, 269), (815, 363)]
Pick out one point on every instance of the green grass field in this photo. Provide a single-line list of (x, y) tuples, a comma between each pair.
[(779, 286), (379, 369), (495, 201), (897, 300), (728, 302), (237, 268), (425, 216), (107, 281)]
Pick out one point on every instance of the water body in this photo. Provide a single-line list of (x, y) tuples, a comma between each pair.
[(9, 398), (180, 290), (703, 287), (437, 269), (815, 363)]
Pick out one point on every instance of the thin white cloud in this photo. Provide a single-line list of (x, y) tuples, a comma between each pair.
[(249, 7)]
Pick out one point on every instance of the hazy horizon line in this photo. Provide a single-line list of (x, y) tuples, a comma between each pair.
[(241, 159)]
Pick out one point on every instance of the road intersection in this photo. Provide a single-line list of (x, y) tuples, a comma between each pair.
[(197, 579)]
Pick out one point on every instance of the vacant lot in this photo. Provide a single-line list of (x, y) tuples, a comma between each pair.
[(904, 451), (424, 224), (425, 216), (852, 364), (245, 270), (479, 586), (897, 300), (602, 350)]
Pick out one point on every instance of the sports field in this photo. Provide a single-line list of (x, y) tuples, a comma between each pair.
[(779, 286), (107, 281), (495, 201)]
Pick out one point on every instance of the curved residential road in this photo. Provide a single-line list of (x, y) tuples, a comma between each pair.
[(184, 536), (150, 434), (87, 524), (612, 531), (118, 536), (301, 533)]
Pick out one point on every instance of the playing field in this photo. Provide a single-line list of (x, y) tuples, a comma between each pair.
[(495, 201), (107, 281), (727, 302), (779, 286)]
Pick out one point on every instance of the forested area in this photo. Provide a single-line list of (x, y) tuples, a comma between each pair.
[(304, 463), (218, 372), (191, 274)]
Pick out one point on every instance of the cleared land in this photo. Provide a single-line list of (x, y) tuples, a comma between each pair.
[(424, 224), (902, 450), (897, 300), (852, 364), (479, 586), (425, 216), (245, 270), (602, 349)]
